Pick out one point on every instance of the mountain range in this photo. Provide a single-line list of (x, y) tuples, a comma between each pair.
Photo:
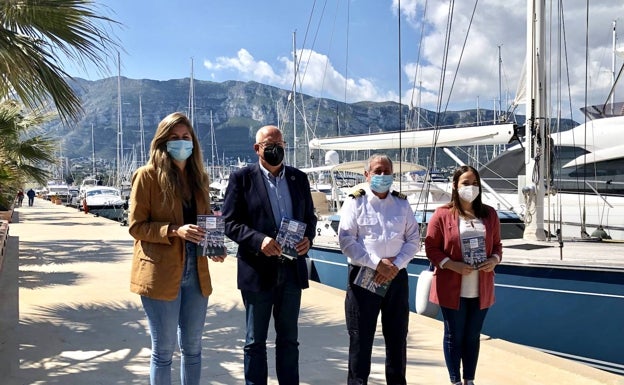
[(234, 109)]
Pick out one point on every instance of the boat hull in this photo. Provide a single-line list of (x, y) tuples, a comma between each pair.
[(115, 212), (570, 311)]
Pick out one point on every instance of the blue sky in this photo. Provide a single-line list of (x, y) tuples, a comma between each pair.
[(349, 48)]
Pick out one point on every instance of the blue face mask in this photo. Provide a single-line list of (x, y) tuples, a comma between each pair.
[(380, 183), (180, 149)]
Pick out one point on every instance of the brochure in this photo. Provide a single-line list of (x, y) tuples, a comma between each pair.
[(290, 233), (366, 278), (473, 250), (213, 243)]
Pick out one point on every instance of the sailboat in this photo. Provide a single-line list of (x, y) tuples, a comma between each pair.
[(107, 201), (573, 290)]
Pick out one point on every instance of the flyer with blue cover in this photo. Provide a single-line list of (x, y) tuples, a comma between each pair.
[(473, 250), (290, 233), (213, 244)]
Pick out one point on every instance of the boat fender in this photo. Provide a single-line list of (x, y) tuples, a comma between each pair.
[(85, 208), (399, 194), (423, 287), (358, 193)]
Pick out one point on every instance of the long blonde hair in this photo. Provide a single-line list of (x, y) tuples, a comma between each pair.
[(170, 176)]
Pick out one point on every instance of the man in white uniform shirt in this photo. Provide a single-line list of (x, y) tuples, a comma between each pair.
[(378, 230)]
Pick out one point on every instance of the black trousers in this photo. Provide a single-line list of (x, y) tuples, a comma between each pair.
[(362, 309)]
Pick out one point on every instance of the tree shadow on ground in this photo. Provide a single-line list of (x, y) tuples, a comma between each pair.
[(79, 343), (67, 344), (66, 251)]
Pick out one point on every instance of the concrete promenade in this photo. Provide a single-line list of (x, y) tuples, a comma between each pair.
[(67, 317)]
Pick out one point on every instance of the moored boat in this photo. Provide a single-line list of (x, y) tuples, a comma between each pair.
[(564, 301), (104, 201), (564, 296)]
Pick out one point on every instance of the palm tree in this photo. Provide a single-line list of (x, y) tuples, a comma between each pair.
[(23, 149), (34, 34)]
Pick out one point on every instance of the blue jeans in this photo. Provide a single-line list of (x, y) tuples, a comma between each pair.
[(284, 301), (180, 320), (462, 330)]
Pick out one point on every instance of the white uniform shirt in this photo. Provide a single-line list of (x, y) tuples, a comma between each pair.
[(372, 229)]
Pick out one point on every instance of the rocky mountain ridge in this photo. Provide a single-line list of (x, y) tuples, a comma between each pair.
[(234, 109)]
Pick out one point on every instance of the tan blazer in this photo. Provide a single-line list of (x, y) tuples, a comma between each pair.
[(158, 261)]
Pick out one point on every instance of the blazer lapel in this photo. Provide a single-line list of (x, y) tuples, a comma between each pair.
[(260, 188), (295, 195)]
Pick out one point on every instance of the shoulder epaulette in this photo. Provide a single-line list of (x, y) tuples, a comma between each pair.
[(358, 193), (398, 194)]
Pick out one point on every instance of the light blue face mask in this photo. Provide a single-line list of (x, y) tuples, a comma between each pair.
[(380, 183), (180, 149)]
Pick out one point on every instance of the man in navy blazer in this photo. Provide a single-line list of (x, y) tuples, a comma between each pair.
[(256, 199)]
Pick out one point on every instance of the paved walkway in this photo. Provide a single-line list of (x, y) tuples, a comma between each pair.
[(79, 324)]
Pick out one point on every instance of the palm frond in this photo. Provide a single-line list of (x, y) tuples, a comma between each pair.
[(33, 33)]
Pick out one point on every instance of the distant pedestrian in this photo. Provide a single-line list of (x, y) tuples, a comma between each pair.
[(20, 197), (379, 235), (31, 197), (174, 283), (463, 243)]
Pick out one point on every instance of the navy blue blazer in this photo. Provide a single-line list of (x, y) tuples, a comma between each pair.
[(249, 219)]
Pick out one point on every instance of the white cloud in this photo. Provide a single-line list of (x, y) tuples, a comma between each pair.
[(504, 24), (316, 75), (494, 24), (245, 65)]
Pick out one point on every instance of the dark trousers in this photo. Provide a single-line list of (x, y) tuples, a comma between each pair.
[(462, 332), (283, 301), (362, 309)]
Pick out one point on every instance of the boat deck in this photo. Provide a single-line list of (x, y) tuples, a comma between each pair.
[(573, 253)]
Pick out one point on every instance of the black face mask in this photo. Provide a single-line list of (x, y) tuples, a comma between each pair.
[(273, 154)]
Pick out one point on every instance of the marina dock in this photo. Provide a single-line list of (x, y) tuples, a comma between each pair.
[(67, 317)]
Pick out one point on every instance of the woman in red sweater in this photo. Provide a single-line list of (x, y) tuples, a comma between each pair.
[(463, 243)]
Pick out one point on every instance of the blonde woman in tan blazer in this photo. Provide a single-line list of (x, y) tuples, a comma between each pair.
[(174, 284)]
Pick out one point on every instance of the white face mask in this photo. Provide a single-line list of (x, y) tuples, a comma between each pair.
[(468, 193)]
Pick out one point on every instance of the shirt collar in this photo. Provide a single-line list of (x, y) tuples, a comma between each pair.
[(369, 192), (267, 174)]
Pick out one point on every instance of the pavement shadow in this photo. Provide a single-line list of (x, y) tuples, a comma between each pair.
[(51, 216), (31, 279), (76, 343), (67, 251), (321, 358), (67, 344), (63, 252)]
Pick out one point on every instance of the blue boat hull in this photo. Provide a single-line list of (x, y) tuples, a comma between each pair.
[(569, 311)]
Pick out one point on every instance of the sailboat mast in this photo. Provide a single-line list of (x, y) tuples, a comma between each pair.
[(536, 121), (92, 152), (500, 85), (212, 148), (141, 131), (61, 168), (295, 99), (191, 107), (119, 124), (613, 65)]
